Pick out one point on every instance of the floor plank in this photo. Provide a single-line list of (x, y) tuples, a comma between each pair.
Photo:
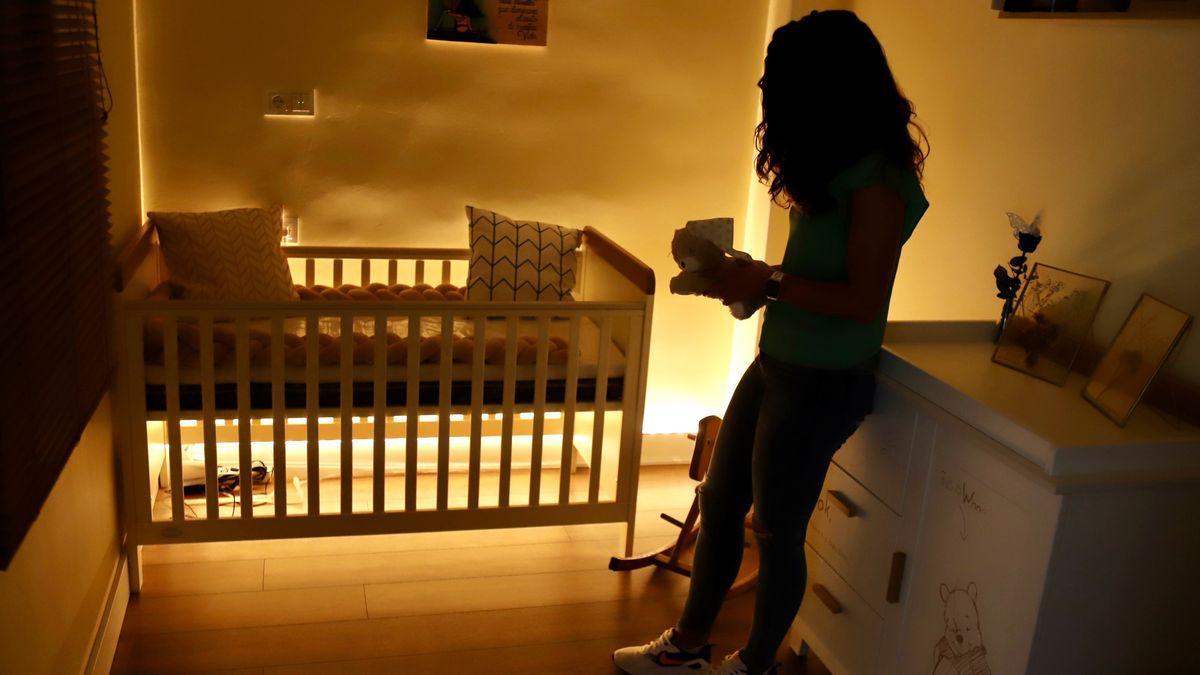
[(418, 566), (512, 592), (216, 576), (496, 601), (244, 609)]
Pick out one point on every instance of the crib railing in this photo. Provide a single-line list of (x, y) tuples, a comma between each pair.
[(586, 411), (366, 258)]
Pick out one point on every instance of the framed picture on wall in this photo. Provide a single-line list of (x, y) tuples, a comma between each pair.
[(1051, 321), (511, 22), (1061, 5), (1150, 333)]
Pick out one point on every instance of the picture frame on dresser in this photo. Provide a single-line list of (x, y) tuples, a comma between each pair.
[(1051, 321), (1151, 333)]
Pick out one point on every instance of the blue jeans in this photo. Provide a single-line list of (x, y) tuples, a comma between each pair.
[(782, 427)]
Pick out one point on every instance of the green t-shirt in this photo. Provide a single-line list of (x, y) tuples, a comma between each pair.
[(816, 249)]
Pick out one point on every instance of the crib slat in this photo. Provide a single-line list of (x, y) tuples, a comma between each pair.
[(506, 425), (245, 475), (477, 356), (171, 378), (445, 363), (279, 420), (392, 272), (598, 409), (310, 272), (539, 410), (627, 471), (209, 418), (445, 271), (346, 397), (380, 370), (133, 374), (419, 272), (568, 444), (312, 350), (413, 375), (365, 274), (337, 272)]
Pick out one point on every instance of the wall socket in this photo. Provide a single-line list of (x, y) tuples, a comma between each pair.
[(291, 230), (291, 103)]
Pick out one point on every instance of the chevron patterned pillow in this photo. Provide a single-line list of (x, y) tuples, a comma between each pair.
[(231, 256), (519, 259)]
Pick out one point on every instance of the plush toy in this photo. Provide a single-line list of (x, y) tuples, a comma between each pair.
[(700, 249)]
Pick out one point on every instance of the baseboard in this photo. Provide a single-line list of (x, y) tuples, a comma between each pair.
[(104, 644), (667, 449)]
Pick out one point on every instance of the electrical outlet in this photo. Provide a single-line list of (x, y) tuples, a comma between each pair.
[(291, 230), (291, 103)]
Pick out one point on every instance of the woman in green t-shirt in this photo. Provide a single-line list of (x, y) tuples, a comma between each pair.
[(839, 145)]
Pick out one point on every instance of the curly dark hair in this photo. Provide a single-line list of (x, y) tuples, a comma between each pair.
[(828, 100)]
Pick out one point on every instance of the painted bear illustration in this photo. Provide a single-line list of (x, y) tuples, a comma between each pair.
[(960, 650)]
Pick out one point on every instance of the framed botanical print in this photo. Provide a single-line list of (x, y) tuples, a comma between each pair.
[(509, 22), (1150, 333), (1052, 319)]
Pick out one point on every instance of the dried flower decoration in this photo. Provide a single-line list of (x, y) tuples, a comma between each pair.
[(1009, 281)]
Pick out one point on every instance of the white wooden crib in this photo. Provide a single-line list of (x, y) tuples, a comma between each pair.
[(410, 447)]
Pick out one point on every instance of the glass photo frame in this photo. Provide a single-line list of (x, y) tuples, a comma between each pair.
[(1150, 333), (1051, 321), (507, 22)]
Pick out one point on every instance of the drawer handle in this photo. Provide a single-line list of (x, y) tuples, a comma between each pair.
[(896, 577), (827, 599), (844, 505)]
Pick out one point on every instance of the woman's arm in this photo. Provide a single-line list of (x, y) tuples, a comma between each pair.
[(873, 252)]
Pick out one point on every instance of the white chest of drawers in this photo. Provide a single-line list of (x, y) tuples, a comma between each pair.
[(982, 521)]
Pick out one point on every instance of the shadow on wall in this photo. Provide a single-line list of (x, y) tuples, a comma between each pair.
[(637, 117), (1145, 242)]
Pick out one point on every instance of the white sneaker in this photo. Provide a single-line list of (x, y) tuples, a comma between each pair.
[(662, 656), (733, 665)]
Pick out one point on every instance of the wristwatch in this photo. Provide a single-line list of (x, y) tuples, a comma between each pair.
[(774, 285)]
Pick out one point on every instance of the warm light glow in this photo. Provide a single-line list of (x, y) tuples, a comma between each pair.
[(672, 418)]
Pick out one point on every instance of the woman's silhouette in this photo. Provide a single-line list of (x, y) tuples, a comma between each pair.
[(838, 144)]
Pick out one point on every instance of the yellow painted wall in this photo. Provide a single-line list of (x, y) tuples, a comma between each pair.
[(636, 117), (54, 591), (1094, 120), (124, 165)]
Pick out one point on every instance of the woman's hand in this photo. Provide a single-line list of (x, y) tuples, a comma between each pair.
[(741, 281)]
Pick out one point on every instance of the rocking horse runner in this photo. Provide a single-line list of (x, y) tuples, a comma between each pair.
[(671, 556)]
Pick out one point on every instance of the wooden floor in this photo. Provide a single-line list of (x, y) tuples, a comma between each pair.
[(534, 600)]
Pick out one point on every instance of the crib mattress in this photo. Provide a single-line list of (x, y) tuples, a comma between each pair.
[(295, 394), (362, 377)]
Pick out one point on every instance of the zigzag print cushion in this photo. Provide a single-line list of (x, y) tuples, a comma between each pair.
[(519, 259), (231, 256)]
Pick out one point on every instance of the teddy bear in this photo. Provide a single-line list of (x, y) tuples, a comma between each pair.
[(700, 258)]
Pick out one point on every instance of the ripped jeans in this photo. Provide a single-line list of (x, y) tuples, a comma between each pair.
[(780, 432)]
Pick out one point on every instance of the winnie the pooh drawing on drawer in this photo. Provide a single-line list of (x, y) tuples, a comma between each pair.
[(960, 649)]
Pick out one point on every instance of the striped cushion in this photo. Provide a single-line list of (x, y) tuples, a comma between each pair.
[(519, 259), (231, 256)]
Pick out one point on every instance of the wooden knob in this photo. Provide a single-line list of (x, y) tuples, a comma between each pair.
[(896, 577), (827, 599), (843, 504)]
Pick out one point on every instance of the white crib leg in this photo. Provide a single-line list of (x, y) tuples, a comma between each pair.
[(133, 553), (629, 527)]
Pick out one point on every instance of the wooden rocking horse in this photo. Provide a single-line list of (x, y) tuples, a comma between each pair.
[(676, 556)]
